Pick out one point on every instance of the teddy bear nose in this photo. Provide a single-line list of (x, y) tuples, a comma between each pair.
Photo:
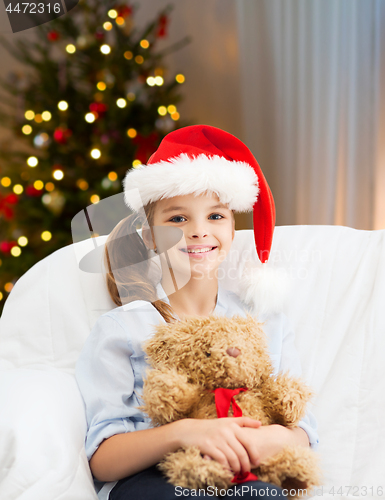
[(233, 351)]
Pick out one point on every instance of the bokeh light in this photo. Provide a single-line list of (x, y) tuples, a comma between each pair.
[(95, 153), (23, 241), (62, 105), (71, 49), (32, 161), (121, 103), (27, 129), (5, 181), (58, 174), (29, 115), (105, 49), (46, 235), (131, 132)]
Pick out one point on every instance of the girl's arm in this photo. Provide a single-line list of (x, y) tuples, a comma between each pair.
[(125, 454)]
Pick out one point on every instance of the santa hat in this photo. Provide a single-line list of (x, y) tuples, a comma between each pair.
[(199, 159)]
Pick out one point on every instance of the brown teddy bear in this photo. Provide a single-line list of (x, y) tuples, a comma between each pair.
[(192, 358)]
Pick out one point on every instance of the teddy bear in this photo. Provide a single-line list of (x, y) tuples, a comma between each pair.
[(197, 362)]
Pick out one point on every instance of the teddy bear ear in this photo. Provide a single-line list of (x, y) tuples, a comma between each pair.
[(264, 289)]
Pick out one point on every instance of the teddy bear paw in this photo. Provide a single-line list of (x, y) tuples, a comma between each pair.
[(187, 468)]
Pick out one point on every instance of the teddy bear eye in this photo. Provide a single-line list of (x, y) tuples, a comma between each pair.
[(208, 354)]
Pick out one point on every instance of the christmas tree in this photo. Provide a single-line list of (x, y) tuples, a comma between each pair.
[(97, 100)]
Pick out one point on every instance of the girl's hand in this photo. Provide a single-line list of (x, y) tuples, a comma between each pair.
[(269, 440), (219, 439)]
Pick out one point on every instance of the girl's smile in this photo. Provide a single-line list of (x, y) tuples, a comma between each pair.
[(198, 251)]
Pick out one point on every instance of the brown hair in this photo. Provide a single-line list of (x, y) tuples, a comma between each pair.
[(126, 281)]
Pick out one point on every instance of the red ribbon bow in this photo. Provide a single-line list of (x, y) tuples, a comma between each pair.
[(223, 399)]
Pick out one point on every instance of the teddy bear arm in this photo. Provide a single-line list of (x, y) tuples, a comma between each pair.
[(286, 398), (168, 396)]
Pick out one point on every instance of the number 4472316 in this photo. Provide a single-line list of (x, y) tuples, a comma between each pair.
[(41, 8)]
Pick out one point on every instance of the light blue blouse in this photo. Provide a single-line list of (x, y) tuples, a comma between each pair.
[(111, 366)]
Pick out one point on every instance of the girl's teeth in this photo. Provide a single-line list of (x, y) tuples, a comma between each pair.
[(200, 250)]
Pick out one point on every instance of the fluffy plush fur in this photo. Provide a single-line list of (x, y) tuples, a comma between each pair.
[(235, 182), (189, 358)]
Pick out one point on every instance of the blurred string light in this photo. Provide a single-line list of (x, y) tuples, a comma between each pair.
[(131, 96), (107, 26), (162, 110), (50, 186), (113, 175), (136, 163), (121, 103), (58, 174), (131, 132), (101, 86), (27, 129), (112, 13), (16, 251), (82, 184), (18, 189), (38, 118), (38, 185), (32, 161), (95, 153), (8, 287), (46, 235), (46, 115), (71, 49), (106, 183), (6, 181), (41, 139), (62, 105), (90, 117), (95, 198), (157, 80), (120, 21), (105, 49), (46, 199), (128, 55), (139, 59), (23, 241), (144, 44), (171, 109), (1, 296), (29, 115), (180, 78)]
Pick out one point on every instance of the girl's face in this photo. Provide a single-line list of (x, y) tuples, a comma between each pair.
[(208, 227)]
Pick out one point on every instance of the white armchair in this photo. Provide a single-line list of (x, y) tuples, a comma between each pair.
[(337, 308)]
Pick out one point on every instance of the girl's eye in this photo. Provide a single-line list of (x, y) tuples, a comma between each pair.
[(180, 217), (176, 217), (221, 216)]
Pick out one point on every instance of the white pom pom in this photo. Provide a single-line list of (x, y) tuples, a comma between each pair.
[(263, 288)]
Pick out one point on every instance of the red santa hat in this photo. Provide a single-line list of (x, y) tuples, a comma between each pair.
[(199, 159)]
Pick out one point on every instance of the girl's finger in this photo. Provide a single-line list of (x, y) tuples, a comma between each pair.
[(231, 456), (248, 422), (219, 456), (241, 453)]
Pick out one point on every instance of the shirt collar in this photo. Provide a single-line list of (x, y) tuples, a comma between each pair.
[(220, 307)]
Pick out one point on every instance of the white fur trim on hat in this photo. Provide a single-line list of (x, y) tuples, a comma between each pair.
[(235, 182), (264, 289)]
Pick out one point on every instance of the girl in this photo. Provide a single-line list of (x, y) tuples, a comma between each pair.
[(190, 189)]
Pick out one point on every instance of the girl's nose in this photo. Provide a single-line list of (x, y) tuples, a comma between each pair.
[(233, 351)]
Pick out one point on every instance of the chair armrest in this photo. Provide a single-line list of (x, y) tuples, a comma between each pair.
[(42, 432)]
